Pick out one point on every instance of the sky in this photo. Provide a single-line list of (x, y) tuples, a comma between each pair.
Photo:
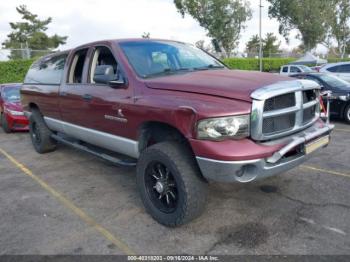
[(84, 21)]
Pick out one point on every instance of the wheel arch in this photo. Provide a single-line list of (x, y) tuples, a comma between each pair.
[(153, 132)]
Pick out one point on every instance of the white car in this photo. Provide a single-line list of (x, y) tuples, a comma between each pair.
[(294, 69), (342, 70)]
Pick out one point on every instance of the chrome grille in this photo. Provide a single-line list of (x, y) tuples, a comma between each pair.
[(279, 110), (279, 102), (278, 123)]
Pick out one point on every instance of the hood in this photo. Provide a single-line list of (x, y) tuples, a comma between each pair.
[(15, 106), (233, 84)]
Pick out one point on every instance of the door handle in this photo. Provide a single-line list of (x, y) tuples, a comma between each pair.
[(87, 97)]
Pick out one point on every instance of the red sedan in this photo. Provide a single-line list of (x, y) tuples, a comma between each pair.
[(12, 117)]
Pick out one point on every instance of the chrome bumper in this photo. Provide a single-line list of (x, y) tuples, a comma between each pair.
[(250, 170)]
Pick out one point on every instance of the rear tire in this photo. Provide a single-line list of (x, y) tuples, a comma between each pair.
[(4, 124), (347, 114), (171, 187), (40, 134)]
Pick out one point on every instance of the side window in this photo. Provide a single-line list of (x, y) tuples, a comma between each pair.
[(104, 67), (344, 69), (333, 69), (47, 71), (285, 69), (295, 69), (77, 67)]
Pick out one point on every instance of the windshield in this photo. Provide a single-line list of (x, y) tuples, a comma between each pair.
[(155, 58), (305, 68), (11, 94), (335, 81)]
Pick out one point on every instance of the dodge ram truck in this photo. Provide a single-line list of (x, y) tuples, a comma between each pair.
[(176, 113)]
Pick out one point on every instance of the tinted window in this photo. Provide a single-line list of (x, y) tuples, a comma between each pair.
[(294, 69), (344, 69), (47, 71), (333, 69), (285, 69)]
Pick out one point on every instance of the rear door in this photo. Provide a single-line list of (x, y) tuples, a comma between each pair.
[(42, 82)]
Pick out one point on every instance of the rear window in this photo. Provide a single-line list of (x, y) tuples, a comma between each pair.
[(344, 69), (333, 69), (47, 71), (285, 69)]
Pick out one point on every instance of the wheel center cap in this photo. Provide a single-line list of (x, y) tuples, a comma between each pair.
[(159, 187)]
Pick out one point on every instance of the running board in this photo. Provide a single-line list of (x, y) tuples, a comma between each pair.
[(104, 156)]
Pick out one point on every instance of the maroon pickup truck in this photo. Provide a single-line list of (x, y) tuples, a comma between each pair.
[(176, 113)]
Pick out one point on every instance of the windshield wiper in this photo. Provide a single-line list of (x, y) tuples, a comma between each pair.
[(211, 66), (168, 71)]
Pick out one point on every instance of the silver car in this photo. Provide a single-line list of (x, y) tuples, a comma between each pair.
[(342, 70)]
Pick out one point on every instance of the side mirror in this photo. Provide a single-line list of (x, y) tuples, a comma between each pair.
[(119, 83), (104, 74)]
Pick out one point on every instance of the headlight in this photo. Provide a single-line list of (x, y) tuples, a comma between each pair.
[(344, 98), (231, 127), (14, 113)]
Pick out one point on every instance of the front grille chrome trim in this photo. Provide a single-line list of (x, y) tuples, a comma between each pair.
[(279, 112), (310, 104), (298, 87)]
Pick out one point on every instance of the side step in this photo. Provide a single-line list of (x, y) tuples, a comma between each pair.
[(103, 155)]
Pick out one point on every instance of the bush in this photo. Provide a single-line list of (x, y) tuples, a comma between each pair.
[(269, 64), (336, 60), (14, 71)]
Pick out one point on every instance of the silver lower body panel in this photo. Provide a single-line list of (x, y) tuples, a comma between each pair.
[(108, 141)]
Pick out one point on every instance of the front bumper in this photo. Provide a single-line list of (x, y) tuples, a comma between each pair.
[(282, 160), (17, 123)]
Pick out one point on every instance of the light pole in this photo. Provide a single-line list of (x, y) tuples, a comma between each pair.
[(260, 43)]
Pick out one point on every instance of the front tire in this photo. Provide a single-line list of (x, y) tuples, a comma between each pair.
[(40, 134), (171, 187), (347, 114), (4, 124)]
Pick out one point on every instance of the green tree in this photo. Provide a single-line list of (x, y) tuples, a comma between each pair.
[(271, 45), (253, 45), (30, 34), (308, 16), (223, 20), (339, 21)]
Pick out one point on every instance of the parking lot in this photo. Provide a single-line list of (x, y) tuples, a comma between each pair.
[(68, 202)]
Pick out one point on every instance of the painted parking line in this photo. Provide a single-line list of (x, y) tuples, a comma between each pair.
[(67, 203), (325, 170)]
